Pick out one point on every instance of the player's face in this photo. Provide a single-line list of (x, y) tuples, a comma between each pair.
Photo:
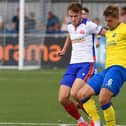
[(123, 16), (84, 14), (75, 18), (123, 13), (111, 22)]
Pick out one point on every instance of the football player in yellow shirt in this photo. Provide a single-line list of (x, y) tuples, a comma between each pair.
[(108, 82)]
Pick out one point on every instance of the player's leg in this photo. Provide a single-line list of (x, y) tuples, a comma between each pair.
[(78, 84), (64, 94), (69, 106), (93, 87), (89, 104), (106, 105), (86, 71), (113, 81)]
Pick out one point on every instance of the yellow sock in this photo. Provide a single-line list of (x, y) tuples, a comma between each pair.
[(91, 109), (109, 115)]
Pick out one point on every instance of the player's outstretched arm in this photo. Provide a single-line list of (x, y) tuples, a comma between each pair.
[(66, 46)]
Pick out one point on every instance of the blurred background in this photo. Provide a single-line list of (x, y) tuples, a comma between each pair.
[(31, 33), (37, 28)]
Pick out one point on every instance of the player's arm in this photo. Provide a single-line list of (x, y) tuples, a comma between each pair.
[(96, 29), (66, 46), (102, 32)]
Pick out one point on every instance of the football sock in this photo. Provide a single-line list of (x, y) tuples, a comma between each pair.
[(109, 114), (80, 119), (90, 107), (73, 111), (97, 123)]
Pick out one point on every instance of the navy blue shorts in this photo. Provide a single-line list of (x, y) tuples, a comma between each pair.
[(78, 70), (111, 78)]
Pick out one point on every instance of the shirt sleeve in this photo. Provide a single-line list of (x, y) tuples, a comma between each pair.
[(93, 28)]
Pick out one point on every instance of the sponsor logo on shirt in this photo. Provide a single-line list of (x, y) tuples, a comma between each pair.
[(78, 40), (111, 43)]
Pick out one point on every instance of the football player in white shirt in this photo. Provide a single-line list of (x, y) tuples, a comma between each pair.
[(82, 63), (85, 13)]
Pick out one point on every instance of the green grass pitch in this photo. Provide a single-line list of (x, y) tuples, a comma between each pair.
[(31, 97)]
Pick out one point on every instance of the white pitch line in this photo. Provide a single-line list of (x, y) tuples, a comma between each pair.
[(36, 124), (39, 124)]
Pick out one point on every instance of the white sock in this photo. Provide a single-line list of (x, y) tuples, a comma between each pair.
[(80, 119), (97, 123)]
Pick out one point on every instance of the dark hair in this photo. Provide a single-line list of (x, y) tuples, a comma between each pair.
[(75, 7), (85, 9), (123, 8), (112, 10)]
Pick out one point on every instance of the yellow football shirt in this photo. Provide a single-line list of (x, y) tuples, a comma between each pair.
[(116, 46)]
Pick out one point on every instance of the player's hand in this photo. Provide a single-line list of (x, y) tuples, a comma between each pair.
[(61, 53)]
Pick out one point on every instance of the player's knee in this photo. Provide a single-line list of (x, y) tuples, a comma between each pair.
[(105, 96), (73, 94), (81, 95), (63, 100), (103, 100), (85, 92)]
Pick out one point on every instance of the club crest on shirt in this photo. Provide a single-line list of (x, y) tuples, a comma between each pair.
[(82, 32)]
